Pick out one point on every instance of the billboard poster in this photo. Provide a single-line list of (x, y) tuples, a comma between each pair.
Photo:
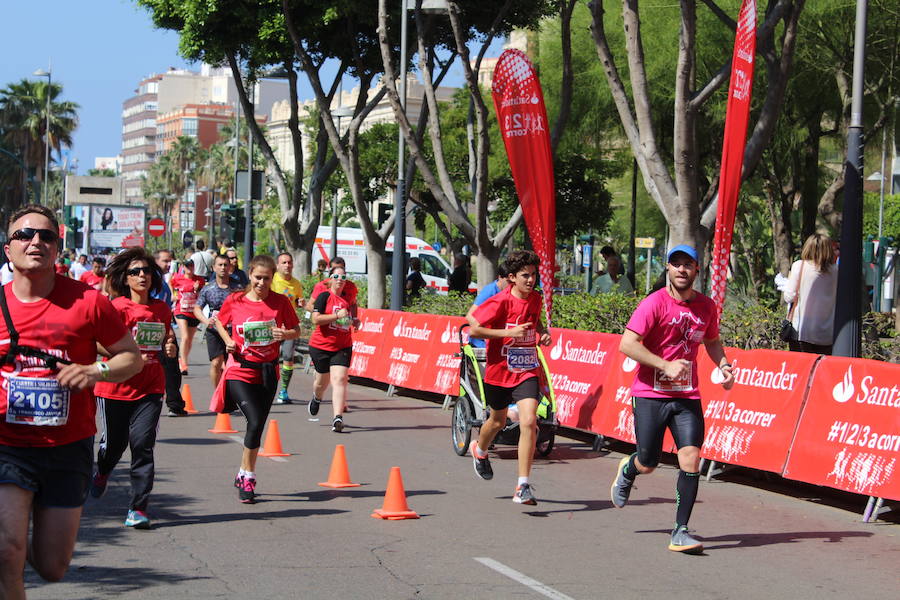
[(116, 227)]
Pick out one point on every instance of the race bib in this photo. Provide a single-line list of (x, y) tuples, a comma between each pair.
[(663, 383), (521, 358), (258, 333), (149, 336), (188, 300), (36, 401)]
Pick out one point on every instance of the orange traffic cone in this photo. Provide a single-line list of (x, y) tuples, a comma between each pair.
[(223, 424), (188, 399), (339, 476), (395, 506), (272, 446)]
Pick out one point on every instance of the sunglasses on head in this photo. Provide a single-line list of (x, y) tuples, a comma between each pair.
[(26, 234), (338, 276), (138, 270)]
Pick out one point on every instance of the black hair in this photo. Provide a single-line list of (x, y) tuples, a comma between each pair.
[(519, 259)]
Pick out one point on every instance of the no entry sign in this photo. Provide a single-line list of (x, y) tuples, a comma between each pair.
[(156, 227)]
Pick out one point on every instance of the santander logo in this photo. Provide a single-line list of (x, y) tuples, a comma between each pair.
[(445, 337), (629, 364), (401, 329), (556, 352), (843, 391)]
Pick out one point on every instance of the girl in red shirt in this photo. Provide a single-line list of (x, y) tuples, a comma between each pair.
[(330, 346), (260, 320), (186, 287), (130, 410)]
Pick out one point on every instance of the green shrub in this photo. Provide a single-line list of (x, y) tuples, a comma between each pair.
[(455, 303), (606, 313)]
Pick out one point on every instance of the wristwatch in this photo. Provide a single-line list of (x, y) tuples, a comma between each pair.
[(103, 368)]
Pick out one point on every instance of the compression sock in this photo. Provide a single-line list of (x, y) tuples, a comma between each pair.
[(685, 496), (286, 372), (631, 471)]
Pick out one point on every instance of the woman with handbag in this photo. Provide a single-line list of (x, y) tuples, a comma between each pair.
[(811, 290)]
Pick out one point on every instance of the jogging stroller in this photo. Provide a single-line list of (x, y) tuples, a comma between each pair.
[(470, 409)]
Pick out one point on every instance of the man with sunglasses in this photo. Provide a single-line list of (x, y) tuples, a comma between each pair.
[(46, 451)]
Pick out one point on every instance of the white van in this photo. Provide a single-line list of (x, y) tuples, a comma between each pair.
[(352, 248)]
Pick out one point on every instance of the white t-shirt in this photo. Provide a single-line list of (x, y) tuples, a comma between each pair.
[(77, 269), (6, 273), (814, 316), (202, 263)]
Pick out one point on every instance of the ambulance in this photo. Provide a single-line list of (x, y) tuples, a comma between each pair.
[(352, 248)]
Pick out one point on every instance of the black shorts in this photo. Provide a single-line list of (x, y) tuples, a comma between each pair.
[(499, 397), (682, 416), (215, 346), (59, 476), (191, 321), (323, 360)]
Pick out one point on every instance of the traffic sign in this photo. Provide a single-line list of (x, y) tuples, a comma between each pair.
[(156, 227), (187, 239), (645, 242)]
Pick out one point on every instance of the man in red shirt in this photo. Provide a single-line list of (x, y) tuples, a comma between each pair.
[(46, 451), (511, 323), (94, 277)]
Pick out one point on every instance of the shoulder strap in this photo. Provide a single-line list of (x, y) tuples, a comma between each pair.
[(15, 348), (13, 334), (797, 299)]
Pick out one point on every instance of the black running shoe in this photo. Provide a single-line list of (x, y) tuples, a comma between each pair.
[(313, 406), (482, 465)]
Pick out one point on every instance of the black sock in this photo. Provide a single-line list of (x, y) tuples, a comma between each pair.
[(631, 471), (685, 496)]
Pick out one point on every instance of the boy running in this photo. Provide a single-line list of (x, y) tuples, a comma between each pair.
[(511, 323)]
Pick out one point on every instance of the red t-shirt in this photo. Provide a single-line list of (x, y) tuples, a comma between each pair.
[(149, 324), (348, 293), (251, 329), (510, 361), (61, 269), (92, 279), (331, 337), (68, 323), (187, 289)]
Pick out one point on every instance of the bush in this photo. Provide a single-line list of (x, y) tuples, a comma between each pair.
[(606, 313), (455, 304), (749, 325)]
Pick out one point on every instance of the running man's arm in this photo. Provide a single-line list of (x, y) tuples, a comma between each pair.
[(124, 362), (633, 347), (716, 352)]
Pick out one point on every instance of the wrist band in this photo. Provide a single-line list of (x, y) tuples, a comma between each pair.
[(725, 365), (103, 368)]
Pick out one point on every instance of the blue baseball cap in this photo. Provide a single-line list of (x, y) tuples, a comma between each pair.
[(684, 249)]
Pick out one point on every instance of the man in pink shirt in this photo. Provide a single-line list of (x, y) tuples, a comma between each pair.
[(663, 336)]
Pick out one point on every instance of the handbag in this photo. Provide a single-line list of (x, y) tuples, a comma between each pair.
[(787, 332)]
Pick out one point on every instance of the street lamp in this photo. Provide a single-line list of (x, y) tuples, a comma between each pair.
[(49, 75), (338, 113)]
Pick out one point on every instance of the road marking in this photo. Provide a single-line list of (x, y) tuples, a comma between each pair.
[(522, 578), (240, 440)]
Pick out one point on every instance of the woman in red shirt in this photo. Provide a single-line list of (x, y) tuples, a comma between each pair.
[(331, 345), (187, 287), (260, 320), (130, 410)]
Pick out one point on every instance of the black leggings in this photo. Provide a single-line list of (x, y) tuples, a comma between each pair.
[(255, 401), (683, 417)]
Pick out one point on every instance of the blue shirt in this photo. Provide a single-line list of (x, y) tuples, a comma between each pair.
[(486, 292)]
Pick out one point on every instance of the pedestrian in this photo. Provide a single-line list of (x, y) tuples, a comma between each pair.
[(612, 280), (211, 299), (94, 277), (510, 321), (491, 289), (286, 284), (811, 291), (186, 286), (130, 410), (322, 269), (459, 278), (50, 330), (79, 267), (260, 320), (414, 281), (203, 262), (663, 336)]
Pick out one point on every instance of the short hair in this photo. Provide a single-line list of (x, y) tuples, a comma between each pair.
[(338, 261), (80, 256), (201, 244), (100, 261), (288, 254), (160, 251), (322, 264), (117, 273), (519, 259), (33, 209), (607, 251), (415, 263), (221, 257)]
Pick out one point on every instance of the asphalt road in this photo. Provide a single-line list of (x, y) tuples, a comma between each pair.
[(305, 541)]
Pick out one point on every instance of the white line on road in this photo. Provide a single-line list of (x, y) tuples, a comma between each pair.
[(240, 440), (522, 578)]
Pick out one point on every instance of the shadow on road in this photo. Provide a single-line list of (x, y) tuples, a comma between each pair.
[(193, 441), (754, 540), (116, 580), (326, 495), (586, 505)]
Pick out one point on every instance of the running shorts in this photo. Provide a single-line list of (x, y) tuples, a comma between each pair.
[(191, 321), (323, 360), (215, 346), (59, 476), (499, 397), (682, 416)]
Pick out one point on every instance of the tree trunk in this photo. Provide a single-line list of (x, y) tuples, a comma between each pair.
[(486, 266), (376, 277)]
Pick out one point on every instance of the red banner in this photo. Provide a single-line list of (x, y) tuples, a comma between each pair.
[(368, 351), (523, 124), (736, 118), (441, 367), (753, 424), (849, 433)]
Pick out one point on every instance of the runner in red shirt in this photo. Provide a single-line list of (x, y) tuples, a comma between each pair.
[(260, 320), (186, 286), (130, 410), (330, 346), (511, 323), (46, 407), (348, 293), (94, 277)]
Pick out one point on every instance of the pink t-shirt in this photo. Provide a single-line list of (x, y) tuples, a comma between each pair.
[(672, 329)]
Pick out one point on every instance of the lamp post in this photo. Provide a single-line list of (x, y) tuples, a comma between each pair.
[(49, 75)]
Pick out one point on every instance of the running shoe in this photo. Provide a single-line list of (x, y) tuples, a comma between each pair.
[(98, 484), (482, 465), (313, 406), (247, 490), (282, 397), (524, 495), (176, 413), (183, 366), (682, 541), (238, 481), (137, 519), (337, 425), (621, 485)]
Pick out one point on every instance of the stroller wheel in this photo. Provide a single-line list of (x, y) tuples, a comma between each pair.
[(461, 425), (545, 444)]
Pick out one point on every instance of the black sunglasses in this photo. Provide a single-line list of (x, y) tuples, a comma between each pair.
[(138, 270), (26, 234)]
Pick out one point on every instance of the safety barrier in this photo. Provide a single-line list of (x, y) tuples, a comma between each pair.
[(824, 420)]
